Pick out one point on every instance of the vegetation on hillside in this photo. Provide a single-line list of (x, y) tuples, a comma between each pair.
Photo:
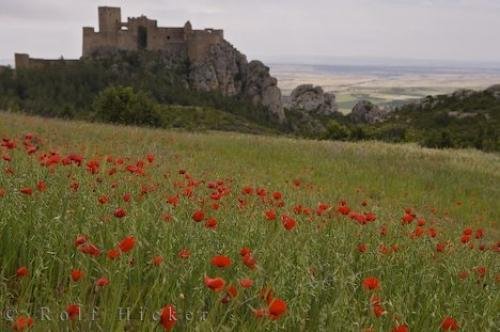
[(154, 92)]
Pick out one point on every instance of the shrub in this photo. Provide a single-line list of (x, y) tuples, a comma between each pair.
[(124, 105)]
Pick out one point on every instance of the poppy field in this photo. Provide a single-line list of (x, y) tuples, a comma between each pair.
[(108, 228)]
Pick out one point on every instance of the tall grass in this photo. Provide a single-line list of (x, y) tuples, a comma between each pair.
[(315, 267)]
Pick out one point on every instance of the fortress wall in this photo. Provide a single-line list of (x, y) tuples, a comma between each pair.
[(23, 61), (200, 42)]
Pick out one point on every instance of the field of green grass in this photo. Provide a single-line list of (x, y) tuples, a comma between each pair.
[(232, 232)]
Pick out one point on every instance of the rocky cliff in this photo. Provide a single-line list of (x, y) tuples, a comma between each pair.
[(313, 100), (366, 112), (227, 70)]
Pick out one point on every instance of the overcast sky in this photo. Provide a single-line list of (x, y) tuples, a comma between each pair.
[(277, 30)]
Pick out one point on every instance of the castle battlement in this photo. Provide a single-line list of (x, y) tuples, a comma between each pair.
[(142, 33), (137, 33)]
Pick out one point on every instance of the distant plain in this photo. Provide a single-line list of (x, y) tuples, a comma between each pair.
[(383, 85)]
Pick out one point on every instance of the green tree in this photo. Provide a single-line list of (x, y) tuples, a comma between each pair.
[(118, 104)]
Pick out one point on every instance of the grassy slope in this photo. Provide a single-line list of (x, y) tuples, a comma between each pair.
[(418, 286)]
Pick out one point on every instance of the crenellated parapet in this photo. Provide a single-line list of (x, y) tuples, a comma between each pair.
[(142, 33)]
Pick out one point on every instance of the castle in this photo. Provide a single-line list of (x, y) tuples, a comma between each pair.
[(138, 33)]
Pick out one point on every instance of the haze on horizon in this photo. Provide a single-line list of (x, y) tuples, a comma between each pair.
[(462, 31)]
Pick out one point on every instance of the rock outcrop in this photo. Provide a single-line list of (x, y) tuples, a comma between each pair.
[(495, 90), (227, 70), (261, 88), (366, 112), (312, 99)]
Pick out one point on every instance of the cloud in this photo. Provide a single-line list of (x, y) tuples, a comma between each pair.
[(435, 29)]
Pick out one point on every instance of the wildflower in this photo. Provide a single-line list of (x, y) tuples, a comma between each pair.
[(401, 328), (168, 317), (113, 254), (22, 322), (246, 283), (184, 253), (127, 244), (27, 191), (198, 216), (120, 213), (76, 275), (73, 311), (371, 283), (449, 324), (101, 282), (277, 308), (22, 272), (157, 260), (215, 284), (221, 261)]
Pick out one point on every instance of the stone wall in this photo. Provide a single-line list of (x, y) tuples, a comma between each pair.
[(24, 61), (143, 33)]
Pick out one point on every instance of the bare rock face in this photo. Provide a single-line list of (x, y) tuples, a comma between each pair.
[(219, 71), (262, 89), (312, 99), (228, 71), (495, 90), (366, 112)]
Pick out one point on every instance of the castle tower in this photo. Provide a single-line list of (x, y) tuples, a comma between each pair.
[(110, 19)]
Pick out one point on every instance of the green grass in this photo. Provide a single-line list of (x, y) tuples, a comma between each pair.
[(316, 267)]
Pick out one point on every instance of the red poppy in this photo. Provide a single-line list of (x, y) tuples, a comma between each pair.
[(215, 284), (277, 308), (246, 283), (231, 292), (101, 282), (76, 275), (343, 208), (184, 253), (89, 249), (245, 251), (479, 233), (288, 223), (103, 199), (211, 223), (277, 195), (157, 260), (73, 311), (249, 261), (449, 324), (221, 261), (168, 317), (371, 283), (440, 247), (120, 213), (127, 244), (480, 271), (22, 323), (27, 191), (198, 216), (401, 328), (378, 310), (80, 239), (22, 272), (41, 186), (127, 197), (270, 215), (362, 247), (173, 200), (113, 254)]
